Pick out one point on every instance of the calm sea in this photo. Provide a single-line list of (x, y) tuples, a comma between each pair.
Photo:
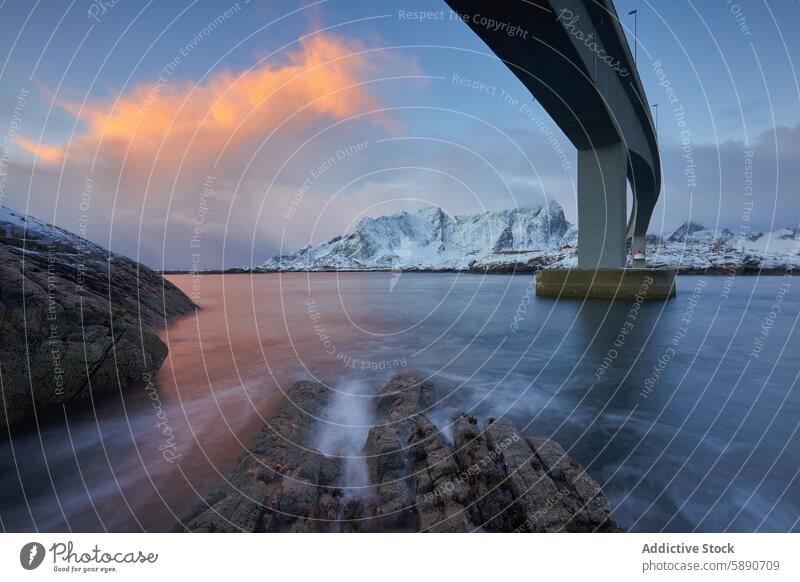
[(686, 411)]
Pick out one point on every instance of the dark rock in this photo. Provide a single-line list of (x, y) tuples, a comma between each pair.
[(298, 497), (495, 480), (441, 489), (386, 468), (240, 509), (422, 471), (404, 397), (74, 317), (291, 475), (587, 501), (328, 507), (538, 497), (384, 453), (399, 404), (490, 493), (353, 512)]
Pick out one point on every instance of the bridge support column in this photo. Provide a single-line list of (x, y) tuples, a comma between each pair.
[(602, 239), (602, 214), (638, 251)]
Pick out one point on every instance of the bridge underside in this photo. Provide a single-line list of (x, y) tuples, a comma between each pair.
[(575, 60)]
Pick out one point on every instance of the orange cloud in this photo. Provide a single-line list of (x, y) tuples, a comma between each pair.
[(166, 123), (47, 153)]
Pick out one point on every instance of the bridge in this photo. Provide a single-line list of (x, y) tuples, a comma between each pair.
[(572, 55)]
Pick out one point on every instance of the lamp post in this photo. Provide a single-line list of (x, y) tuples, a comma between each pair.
[(634, 12)]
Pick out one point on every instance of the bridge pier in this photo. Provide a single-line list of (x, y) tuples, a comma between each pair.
[(602, 238), (602, 213), (604, 112), (638, 284)]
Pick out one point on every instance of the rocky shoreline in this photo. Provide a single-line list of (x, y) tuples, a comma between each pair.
[(75, 319), (489, 477)]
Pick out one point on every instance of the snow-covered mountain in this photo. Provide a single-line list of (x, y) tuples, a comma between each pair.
[(430, 238), (523, 238), (694, 247)]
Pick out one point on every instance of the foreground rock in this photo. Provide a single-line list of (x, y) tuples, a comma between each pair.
[(280, 484), (74, 318), (489, 478)]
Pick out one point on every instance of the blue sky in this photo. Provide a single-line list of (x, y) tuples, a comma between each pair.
[(426, 138)]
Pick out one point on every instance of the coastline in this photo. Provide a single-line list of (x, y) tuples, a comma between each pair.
[(496, 271)]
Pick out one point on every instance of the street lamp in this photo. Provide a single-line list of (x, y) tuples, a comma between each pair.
[(635, 34)]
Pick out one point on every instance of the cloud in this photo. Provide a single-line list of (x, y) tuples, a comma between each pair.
[(163, 125), (719, 199), (47, 153), (148, 151)]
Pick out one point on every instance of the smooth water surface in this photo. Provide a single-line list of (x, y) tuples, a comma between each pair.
[(685, 411)]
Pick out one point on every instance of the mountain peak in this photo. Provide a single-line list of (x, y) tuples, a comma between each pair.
[(688, 228), (429, 237)]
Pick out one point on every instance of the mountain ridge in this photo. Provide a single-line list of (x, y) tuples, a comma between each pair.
[(525, 238), (431, 238)]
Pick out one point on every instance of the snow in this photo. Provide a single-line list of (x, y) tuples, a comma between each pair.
[(784, 241), (432, 239), (32, 226), (540, 236), (14, 224), (696, 247)]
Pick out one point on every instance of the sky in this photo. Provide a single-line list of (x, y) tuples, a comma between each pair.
[(214, 134)]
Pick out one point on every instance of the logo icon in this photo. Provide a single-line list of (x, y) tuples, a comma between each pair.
[(31, 555)]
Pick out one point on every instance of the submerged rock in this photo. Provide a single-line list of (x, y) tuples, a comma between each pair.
[(491, 478)]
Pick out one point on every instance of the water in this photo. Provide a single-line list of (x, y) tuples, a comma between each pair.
[(687, 414)]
